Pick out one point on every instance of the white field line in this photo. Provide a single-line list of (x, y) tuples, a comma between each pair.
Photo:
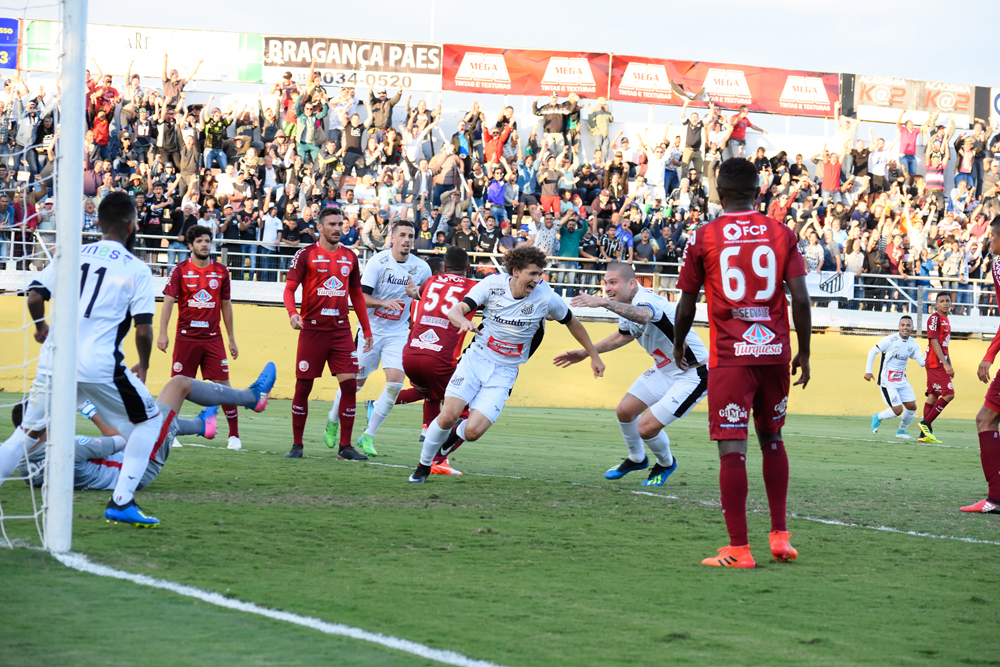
[(82, 564), (710, 503)]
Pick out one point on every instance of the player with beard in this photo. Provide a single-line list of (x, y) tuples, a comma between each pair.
[(940, 389), (201, 288), (515, 306), (328, 273)]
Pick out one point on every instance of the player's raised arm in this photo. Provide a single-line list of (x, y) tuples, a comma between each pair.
[(802, 318)]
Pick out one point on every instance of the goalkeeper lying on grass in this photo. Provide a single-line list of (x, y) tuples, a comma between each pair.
[(98, 460)]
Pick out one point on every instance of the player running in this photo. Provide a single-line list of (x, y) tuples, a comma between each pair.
[(896, 349), (434, 346), (116, 289), (515, 305), (665, 393), (744, 260), (391, 281), (988, 418), (98, 460), (328, 273), (940, 390), (201, 287)]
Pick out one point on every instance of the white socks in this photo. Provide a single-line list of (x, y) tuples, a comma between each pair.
[(660, 446), (907, 419), (334, 415), (460, 431), (432, 442), (12, 450), (630, 432), (887, 414), (137, 450), (383, 406)]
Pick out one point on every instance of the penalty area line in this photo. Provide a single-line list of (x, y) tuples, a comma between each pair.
[(81, 563)]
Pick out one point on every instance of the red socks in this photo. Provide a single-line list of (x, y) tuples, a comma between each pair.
[(410, 395), (936, 411), (733, 485), (232, 416), (300, 409), (928, 408), (431, 410), (776, 482), (348, 404), (989, 455)]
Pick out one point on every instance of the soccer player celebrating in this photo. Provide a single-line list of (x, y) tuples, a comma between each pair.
[(940, 390), (98, 460), (988, 418), (201, 286), (327, 272), (390, 283), (515, 305), (664, 392), (434, 346), (744, 260), (896, 349)]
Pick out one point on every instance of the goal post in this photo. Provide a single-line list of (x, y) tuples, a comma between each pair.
[(69, 212)]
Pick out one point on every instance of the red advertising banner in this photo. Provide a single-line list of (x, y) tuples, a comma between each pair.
[(479, 69), (764, 89)]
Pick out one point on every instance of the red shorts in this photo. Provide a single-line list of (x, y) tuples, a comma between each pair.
[(429, 374), (207, 353), (938, 382), (317, 348), (993, 394), (735, 391)]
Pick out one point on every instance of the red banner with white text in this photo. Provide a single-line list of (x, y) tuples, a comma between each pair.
[(763, 89), (480, 69)]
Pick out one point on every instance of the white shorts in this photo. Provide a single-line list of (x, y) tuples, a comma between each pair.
[(671, 397), (36, 411), (121, 403), (387, 349), (896, 393), (483, 385)]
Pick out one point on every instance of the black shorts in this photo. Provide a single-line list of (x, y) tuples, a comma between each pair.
[(353, 162), (877, 183)]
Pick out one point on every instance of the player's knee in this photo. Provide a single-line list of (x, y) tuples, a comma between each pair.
[(649, 427), (897, 409), (393, 389), (987, 420), (474, 432)]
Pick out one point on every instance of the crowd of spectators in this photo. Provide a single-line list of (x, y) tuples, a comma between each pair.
[(257, 172)]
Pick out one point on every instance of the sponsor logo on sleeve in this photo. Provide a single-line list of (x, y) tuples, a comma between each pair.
[(735, 416), (758, 343)]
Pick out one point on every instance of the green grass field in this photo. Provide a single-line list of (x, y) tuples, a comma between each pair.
[(531, 558)]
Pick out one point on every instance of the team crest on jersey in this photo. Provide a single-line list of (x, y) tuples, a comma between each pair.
[(527, 308), (332, 286), (413, 269), (735, 415), (457, 381), (779, 409), (758, 342), (178, 367), (345, 271), (213, 283), (201, 300), (427, 341), (303, 365)]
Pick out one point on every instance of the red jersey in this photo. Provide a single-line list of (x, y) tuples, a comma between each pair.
[(938, 328), (991, 353), (326, 279), (432, 333), (199, 293), (743, 260), (740, 126)]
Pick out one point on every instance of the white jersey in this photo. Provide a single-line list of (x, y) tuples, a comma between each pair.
[(512, 328), (896, 352), (657, 335), (385, 278), (115, 287)]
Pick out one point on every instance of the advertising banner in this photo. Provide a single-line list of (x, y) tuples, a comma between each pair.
[(355, 62), (475, 69), (9, 35), (882, 98), (995, 108), (763, 89), (227, 56)]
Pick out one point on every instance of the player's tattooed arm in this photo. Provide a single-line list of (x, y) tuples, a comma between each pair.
[(640, 314)]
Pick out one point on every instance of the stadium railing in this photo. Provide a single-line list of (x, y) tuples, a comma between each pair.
[(878, 299)]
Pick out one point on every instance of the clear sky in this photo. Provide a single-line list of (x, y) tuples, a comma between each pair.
[(916, 39)]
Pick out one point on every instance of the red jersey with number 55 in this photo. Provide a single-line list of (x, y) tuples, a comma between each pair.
[(743, 260), (432, 333), (199, 293), (326, 279), (938, 328)]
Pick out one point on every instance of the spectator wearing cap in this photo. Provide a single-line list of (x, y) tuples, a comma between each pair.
[(553, 115), (616, 166), (380, 106), (599, 121), (601, 209), (128, 158), (375, 231), (307, 128), (493, 144)]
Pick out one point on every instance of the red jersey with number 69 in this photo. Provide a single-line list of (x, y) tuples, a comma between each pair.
[(327, 279), (939, 329), (743, 260), (199, 293), (432, 333)]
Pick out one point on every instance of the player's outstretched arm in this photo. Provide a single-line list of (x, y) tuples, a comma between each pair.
[(683, 319), (580, 334), (612, 342), (143, 346), (163, 340), (458, 318), (802, 318), (637, 314)]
